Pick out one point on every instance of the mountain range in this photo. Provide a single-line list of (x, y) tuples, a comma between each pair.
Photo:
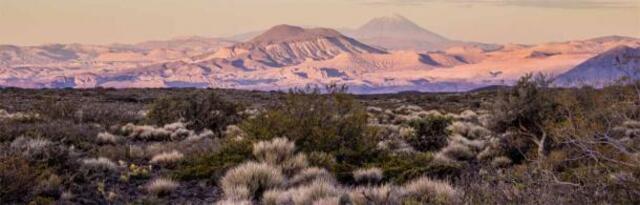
[(387, 54)]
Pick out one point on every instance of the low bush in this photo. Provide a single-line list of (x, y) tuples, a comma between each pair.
[(332, 122), (431, 133), (214, 164), (428, 191), (201, 109)]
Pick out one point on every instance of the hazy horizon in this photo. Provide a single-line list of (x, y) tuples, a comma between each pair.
[(35, 22)]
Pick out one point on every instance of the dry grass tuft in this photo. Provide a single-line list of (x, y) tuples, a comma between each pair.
[(161, 186), (316, 191), (457, 151), (308, 175), (101, 163), (386, 194), (368, 176), (107, 138), (248, 180), (427, 190), (275, 151), (294, 164), (167, 157)]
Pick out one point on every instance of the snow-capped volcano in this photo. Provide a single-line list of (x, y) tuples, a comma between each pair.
[(398, 32), (286, 45)]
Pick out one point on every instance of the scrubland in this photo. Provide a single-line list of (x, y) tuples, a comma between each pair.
[(528, 144)]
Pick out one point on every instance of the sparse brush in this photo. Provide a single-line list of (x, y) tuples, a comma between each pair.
[(249, 180), (19, 116), (457, 151), (233, 131), (427, 190), (308, 194), (469, 130), (234, 202), (368, 176), (468, 115), (30, 147), (146, 132), (408, 109), (275, 151), (476, 145), (161, 186), (172, 127), (167, 157), (294, 164), (206, 134), (385, 194), (308, 175), (487, 153), (107, 138), (501, 161), (135, 152), (100, 163), (328, 201), (181, 133)]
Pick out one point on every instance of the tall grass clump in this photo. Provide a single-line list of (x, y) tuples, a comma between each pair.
[(275, 151), (428, 191), (250, 180)]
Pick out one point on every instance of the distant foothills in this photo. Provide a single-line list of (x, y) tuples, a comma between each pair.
[(387, 54)]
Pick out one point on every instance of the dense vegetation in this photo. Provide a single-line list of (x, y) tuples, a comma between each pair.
[(530, 144)]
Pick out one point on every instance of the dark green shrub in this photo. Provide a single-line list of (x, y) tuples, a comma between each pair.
[(527, 112), (201, 109), (213, 165), (332, 122), (431, 133), (402, 168)]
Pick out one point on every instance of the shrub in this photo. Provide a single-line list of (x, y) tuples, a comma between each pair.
[(250, 180), (308, 175), (19, 117), (214, 164), (167, 158), (308, 194), (401, 168), (273, 152), (333, 123), (431, 133), (457, 151), (161, 186), (528, 111), (294, 164), (146, 132), (201, 109), (385, 194), (426, 190), (31, 147), (368, 176), (107, 138), (100, 164), (501, 161), (234, 202)]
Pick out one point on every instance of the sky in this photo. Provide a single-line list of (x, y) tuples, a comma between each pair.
[(34, 22)]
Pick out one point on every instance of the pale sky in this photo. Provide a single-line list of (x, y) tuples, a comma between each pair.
[(32, 22)]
